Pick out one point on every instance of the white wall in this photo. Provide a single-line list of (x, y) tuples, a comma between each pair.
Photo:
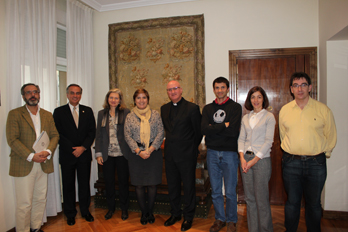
[(333, 17), (333, 64), (7, 203), (336, 187), (229, 25)]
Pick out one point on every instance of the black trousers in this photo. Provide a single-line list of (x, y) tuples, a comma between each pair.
[(69, 171), (184, 172), (109, 166)]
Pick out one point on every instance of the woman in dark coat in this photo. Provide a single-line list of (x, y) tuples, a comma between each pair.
[(144, 134), (112, 150)]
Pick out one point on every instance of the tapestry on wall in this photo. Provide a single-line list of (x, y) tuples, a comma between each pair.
[(150, 53)]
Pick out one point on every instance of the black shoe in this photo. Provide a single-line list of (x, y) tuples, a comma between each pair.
[(143, 219), (124, 215), (186, 225), (71, 221), (108, 215), (36, 230), (151, 219), (172, 220), (89, 217)]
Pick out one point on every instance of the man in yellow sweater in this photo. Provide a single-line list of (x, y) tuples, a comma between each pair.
[(308, 135)]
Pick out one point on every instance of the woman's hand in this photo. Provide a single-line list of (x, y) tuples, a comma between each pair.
[(251, 163), (100, 160), (144, 154), (151, 149), (243, 162)]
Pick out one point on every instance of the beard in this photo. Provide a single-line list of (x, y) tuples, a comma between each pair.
[(33, 101)]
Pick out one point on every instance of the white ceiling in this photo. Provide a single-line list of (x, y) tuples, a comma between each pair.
[(107, 5)]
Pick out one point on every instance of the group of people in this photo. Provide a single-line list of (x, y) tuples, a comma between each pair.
[(130, 141)]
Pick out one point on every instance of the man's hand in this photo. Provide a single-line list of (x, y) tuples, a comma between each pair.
[(40, 157), (78, 151)]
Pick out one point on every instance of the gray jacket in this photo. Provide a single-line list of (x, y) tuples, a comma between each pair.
[(102, 135), (260, 138)]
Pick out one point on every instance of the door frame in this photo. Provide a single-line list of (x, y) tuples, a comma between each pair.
[(234, 55)]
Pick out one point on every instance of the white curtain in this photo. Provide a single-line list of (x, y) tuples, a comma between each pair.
[(80, 70), (31, 38)]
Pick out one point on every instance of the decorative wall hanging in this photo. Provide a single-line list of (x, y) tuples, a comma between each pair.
[(150, 53)]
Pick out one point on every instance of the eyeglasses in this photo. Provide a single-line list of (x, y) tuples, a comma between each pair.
[(75, 93), (173, 89), (32, 92), (303, 85)]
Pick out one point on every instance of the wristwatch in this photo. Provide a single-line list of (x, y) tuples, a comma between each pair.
[(138, 152)]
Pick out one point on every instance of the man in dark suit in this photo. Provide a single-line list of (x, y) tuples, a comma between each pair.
[(182, 124), (76, 126), (30, 168)]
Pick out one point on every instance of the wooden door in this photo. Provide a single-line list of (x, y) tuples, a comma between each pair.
[(271, 69)]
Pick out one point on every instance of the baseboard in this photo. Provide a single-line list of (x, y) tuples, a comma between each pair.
[(336, 215), (162, 205)]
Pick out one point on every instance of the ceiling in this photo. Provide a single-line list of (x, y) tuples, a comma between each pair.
[(107, 5)]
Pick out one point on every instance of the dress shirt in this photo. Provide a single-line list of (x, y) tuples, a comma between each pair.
[(309, 131), (37, 126), (72, 109)]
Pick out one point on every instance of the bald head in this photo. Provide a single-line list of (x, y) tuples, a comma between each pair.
[(174, 91)]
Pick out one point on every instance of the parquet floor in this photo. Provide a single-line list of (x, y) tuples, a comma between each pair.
[(58, 223)]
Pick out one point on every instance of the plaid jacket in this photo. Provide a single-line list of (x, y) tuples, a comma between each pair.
[(20, 133)]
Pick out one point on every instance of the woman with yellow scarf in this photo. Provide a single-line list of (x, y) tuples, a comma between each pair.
[(144, 134)]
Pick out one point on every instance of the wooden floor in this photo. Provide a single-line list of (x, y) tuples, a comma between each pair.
[(58, 223)]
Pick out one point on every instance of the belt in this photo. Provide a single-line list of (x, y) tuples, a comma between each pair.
[(250, 153), (305, 157)]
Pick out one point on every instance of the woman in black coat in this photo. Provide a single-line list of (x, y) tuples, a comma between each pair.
[(112, 150)]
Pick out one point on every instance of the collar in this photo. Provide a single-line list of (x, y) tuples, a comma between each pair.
[(38, 110), (261, 112), (309, 103), (178, 103), (221, 102), (72, 107)]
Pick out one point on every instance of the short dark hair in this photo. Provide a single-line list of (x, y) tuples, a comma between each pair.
[(254, 89), (139, 91), (299, 75), (221, 80), (25, 85), (67, 88)]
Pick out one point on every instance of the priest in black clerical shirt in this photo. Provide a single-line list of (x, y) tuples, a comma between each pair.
[(182, 124)]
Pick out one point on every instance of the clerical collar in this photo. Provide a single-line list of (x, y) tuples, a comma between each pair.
[(178, 103), (221, 102)]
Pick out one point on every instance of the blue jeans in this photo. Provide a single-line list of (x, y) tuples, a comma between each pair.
[(223, 164), (306, 176)]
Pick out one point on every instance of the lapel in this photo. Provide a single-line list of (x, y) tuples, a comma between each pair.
[(258, 123), (42, 120), (81, 115), (166, 117), (68, 115), (27, 117)]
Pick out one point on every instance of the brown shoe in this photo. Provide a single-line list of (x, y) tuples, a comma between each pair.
[(231, 227), (217, 226)]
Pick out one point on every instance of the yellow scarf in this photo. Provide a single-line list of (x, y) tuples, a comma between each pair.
[(144, 124)]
